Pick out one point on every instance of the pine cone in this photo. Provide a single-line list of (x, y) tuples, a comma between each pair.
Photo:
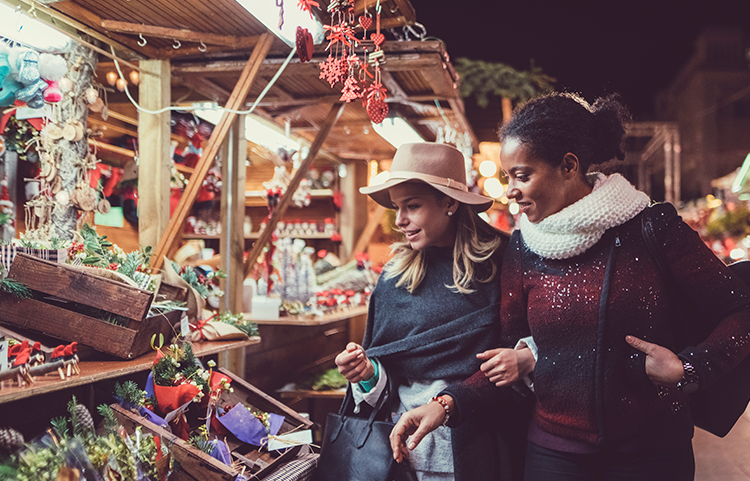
[(84, 417), (10, 440)]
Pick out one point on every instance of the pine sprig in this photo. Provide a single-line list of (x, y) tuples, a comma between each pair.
[(75, 421), (19, 290), (131, 393), (60, 425), (201, 443), (110, 421)]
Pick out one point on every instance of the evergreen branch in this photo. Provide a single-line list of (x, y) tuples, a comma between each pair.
[(110, 421), (60, 425), (130, 393), (19, 290)]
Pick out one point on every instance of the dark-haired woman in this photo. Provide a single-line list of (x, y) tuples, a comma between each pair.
[(611, 388)]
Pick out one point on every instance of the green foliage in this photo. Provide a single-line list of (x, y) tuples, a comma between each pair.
[(5, 218), (8, 472), (61, 427), (238, 321), (19, 290), (96, 246), (485, 80), (325, 381), (110, 421), (732, 223), (131, 393)]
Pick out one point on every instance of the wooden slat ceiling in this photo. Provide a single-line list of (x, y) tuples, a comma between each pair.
[(416, 73)]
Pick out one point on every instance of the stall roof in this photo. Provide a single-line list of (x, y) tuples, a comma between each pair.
[(416, 73)]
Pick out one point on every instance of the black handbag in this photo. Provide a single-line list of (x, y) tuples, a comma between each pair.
[(717, 407), (356, 448)]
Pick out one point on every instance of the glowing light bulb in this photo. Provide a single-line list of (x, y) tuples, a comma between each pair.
[(121, 84), (487, 168), (135, 77), (112, 78), (493, 187)]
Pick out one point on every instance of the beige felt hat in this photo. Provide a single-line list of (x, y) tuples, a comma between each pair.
[(438, 165)]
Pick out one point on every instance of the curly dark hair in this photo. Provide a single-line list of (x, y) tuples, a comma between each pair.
[(554, 124)]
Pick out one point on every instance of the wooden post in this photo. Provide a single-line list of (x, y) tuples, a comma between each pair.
[(353, 215), (372, 223), (232, 236), (265, 236), (154, 132), (172, 234)]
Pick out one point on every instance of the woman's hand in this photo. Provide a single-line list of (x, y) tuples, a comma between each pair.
[(353, 363), (663, 366), (504, 366), (417, 423)]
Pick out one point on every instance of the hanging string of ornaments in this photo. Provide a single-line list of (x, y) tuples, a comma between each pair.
[(343, 65)]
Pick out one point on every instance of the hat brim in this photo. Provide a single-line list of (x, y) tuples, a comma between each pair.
[(380, 194)]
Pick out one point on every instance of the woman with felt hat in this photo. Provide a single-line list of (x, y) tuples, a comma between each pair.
[(435, 307)]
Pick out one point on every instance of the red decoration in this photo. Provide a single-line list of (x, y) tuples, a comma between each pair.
[(351, 90), (306, 6), (304, 43), (365, 22), (377, 109), (377, 39)]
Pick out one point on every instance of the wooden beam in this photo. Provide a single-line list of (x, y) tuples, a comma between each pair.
[(179, 34), (174, 229), (372, 223), (154, 166), (207, 88), (92, 23), (286, 199)]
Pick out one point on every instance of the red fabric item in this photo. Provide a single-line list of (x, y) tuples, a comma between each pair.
[(180, 427), (174, 199), (57, 352), (22, 357), (217, 427), (205, 194), (191, 159), (170, 398), (111, 183)]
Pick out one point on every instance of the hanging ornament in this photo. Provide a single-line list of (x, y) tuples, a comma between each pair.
[(351, 90), (2, 145), (135, 77), (304, 43), (306, 6), (377, 109)]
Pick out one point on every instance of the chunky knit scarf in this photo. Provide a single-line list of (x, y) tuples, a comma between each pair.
[(573, 230)]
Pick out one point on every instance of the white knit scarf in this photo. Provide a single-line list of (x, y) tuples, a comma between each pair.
[(573, 230)]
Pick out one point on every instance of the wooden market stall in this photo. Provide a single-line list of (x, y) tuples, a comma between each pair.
[(193, 52)]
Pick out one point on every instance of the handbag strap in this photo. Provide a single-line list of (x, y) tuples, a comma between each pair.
[(349, 403)]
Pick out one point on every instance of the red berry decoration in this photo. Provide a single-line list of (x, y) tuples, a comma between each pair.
[(377, 109), (304, 43), (365, 22)]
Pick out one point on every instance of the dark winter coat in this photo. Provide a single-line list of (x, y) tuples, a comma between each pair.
[(590, 384), (435, 334)]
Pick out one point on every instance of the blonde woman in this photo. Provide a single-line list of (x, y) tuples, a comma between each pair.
[(435, 307)]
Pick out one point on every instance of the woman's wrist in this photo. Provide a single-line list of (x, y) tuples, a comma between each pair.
[(446, 404), (369, 382), (526, 361)]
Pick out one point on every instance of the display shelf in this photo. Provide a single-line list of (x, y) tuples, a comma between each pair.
[(257, 235), (257, 198), (93, 371), (313, 320)]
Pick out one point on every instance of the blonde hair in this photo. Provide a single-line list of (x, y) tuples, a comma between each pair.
[(475, 243)]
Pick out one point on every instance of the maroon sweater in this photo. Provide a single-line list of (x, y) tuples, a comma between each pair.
[(590, 384)]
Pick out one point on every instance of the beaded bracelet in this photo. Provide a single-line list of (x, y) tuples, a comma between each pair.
[(441, 400)]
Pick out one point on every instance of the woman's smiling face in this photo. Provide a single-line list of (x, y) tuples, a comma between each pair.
[(538, 188), (422, 215)]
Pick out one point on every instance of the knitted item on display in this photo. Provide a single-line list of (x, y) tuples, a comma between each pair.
[(572, 231)]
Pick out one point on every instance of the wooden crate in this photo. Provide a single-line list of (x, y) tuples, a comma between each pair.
[(67, 291), (197, 465)]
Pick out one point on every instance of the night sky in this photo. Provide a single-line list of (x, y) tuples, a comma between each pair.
[(634, 47)]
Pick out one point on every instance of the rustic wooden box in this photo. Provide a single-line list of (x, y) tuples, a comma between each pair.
[(67, 291), (197, 465)]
